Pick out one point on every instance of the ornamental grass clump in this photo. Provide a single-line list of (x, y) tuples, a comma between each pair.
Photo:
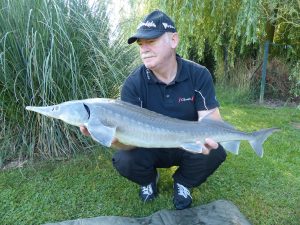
[(50, 52)]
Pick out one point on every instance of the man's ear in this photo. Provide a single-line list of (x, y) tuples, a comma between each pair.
[(174, 40)]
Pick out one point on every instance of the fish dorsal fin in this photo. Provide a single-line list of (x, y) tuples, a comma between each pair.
[(208, 119), (217, 123)]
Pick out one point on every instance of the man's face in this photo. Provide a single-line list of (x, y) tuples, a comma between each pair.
[(155, 52)]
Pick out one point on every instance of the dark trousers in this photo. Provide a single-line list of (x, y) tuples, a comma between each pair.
[(139, 164)]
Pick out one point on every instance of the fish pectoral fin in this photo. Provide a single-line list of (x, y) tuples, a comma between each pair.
[(231, 146), (101, 133), (193, 147)]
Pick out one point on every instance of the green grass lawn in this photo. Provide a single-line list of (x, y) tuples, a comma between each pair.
[(266, 190)]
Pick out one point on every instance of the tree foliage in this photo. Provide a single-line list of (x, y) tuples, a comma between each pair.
[(233, 27), (229, 33)]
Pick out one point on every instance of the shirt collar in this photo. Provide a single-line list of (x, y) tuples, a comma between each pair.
[(152, 79)]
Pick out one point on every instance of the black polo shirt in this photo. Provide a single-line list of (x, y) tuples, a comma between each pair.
[(192, 90)]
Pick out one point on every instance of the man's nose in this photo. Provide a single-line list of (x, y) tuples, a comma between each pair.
[(144, 47)]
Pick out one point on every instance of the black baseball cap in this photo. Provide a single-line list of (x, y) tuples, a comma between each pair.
[(153, 26)]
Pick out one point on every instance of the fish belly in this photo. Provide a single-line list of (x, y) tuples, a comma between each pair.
[(149, 137)]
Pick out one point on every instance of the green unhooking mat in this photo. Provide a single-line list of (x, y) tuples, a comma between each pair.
[(220, 212)]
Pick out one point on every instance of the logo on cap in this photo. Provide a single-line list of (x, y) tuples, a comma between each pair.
[(146, 24), (167, 26)]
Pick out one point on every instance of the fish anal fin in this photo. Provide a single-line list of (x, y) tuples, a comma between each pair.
[(101, 133), (231, 146)]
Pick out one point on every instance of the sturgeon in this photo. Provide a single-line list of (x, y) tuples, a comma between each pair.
[(132, 125)]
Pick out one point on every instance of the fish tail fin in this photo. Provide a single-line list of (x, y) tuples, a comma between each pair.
[(259, 138)]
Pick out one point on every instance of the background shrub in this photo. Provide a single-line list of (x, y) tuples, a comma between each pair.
[(282, 80), (50, 52)]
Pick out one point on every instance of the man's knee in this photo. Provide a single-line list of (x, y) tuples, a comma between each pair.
[(219, 154), (123, 161), (136, 165), (197, 167), (216, 158)]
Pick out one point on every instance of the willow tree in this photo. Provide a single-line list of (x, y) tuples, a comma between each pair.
[(233, 28)]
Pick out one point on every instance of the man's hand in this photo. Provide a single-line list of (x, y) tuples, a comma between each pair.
[(209, 145), (84, 131), (214, 114)]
